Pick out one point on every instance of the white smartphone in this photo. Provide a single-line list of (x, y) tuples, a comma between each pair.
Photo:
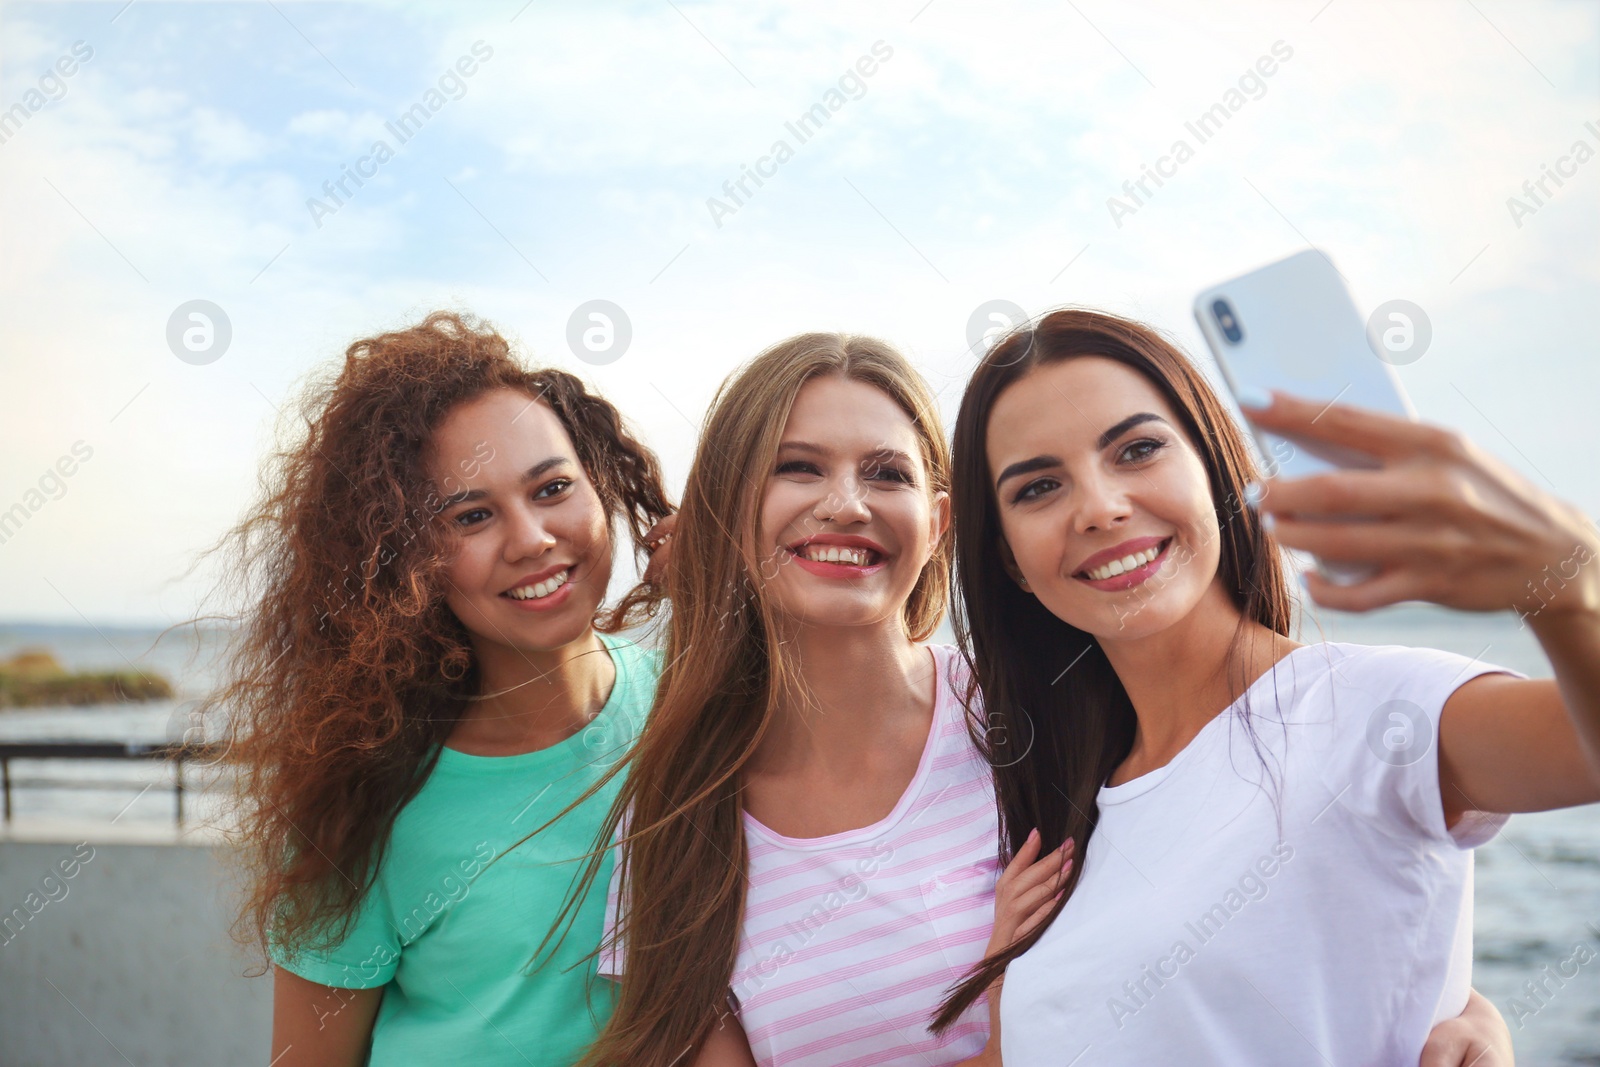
[(1292, 326)]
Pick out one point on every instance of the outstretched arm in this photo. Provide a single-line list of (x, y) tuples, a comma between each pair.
[(1447, 523)]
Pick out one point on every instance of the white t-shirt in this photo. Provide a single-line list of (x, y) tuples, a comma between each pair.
[(850, 941), (1293, 900)]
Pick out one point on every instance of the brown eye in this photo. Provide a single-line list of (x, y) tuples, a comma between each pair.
[(894, 474), (1143, 448), (1035, 488), (555, 488)]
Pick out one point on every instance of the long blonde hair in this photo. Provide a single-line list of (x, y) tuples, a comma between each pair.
[(683, 868)]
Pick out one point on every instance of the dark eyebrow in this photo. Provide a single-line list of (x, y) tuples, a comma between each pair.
[(1127, 424), (531, 474), (1027, 466), (538, 469)]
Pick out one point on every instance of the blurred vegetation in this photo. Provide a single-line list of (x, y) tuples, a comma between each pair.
[(33, 678)]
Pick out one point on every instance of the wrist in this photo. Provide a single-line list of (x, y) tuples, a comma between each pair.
[(1563, 633), (1565, 593), (1552, 607)]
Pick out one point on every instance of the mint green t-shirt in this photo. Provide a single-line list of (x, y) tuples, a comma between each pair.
[(449, 935)]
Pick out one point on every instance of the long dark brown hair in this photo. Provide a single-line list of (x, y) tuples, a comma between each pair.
[(683, 867), (1053, 746), (347, 669)]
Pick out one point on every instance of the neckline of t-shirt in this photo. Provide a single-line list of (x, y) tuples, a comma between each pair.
[(941, 700), (562, 751), (1137, 787)]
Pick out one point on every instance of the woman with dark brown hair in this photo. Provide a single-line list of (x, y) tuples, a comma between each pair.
[(1275, 836), (423, 678)]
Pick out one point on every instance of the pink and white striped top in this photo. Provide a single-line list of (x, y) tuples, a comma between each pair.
[(850, 941)]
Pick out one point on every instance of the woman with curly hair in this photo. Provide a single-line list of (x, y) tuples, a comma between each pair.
[(422, 684)]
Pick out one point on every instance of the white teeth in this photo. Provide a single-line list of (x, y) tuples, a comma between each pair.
[(1125, 564), (835, 554), (540, 590)]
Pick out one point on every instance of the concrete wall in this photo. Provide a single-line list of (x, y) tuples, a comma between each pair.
[(128, 960)]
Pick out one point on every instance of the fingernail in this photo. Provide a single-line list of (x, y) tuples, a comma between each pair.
[(1269, 522), (1251, 397), (1033, 835)]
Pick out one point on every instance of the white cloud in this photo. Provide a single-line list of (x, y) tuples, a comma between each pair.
[(590, 141), (345, 130)]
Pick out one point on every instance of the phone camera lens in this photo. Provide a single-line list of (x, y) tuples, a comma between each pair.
[(1225, 319)]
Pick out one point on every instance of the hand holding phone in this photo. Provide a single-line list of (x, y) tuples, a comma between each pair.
[(1457, 527), (1292, 327)]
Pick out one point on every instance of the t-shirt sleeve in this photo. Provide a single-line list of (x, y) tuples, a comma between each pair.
[(366, 958), (1383, 753)]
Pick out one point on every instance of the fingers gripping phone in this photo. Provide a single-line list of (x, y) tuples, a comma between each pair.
[(1292, 326)]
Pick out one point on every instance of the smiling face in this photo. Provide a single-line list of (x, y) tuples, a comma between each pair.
[(1105, 504), (533, 548), (847, 520)]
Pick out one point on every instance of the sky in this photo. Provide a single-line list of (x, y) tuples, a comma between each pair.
[(969, 153)]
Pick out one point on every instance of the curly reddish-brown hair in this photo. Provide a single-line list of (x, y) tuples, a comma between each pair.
[(347, 669)]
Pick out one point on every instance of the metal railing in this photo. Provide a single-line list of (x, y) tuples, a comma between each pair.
[(175, 752)]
